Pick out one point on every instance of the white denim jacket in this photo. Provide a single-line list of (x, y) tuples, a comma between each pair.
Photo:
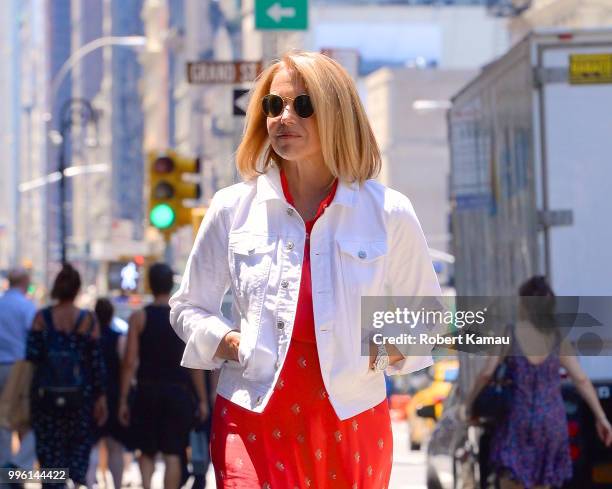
[(367, 242)]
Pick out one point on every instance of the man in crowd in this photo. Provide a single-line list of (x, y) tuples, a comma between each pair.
[(16, 315)]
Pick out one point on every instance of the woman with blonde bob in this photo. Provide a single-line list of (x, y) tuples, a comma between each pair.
[(307, 233)]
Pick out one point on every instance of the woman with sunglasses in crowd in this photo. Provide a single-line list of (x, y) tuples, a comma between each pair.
[(299, 242)]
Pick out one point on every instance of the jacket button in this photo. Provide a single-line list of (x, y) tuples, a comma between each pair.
[(290, 245), (280, 324), (362, 254), (285, 284), (290, 211), (277, 365), (258, 400)]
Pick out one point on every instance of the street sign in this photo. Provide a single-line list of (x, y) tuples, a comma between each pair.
[(241, 101), (590, 68), (281, 15), (203, 72)]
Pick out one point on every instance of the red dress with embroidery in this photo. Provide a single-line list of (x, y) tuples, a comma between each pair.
[(299, 441)]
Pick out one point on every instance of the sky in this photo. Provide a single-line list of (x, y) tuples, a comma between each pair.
[(392, 41)]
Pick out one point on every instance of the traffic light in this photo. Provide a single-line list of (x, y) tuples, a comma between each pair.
[(168, 189)]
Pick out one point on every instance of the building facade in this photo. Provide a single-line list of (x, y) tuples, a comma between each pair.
[(561, 13), (9, 133), (105, 166), (32, 181), (407, 109)]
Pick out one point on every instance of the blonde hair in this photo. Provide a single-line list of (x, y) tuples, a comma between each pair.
[(348, 145)]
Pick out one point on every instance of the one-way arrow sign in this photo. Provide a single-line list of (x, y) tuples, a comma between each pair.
[(277, 12), (241, 101), (281, 14)]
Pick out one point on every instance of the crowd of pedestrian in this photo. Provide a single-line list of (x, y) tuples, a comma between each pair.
[(96, 394), (96, 390)]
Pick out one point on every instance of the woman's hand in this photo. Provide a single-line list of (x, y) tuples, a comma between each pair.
[(228, 348), (393, 353), (203, 411), (604, 430), (124, 413), (100, 411)]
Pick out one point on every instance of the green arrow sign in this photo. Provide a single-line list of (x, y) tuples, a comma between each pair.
[(281, 14)]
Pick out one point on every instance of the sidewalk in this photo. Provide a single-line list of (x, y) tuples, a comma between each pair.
[(408, 468)]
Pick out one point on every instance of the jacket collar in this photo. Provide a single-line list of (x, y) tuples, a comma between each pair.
[(269, 188)]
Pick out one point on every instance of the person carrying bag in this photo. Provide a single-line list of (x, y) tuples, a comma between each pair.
[(15, 397), (68, 398), (493, 402), (60, 376)]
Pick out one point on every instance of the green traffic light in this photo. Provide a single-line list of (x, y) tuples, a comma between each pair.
[(162, 216)]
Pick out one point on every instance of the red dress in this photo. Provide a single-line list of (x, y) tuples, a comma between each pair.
[(299, 441)]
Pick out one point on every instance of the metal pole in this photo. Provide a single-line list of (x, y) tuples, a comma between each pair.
[(544, 169), (62, 193), (168, 251), (67, 112)]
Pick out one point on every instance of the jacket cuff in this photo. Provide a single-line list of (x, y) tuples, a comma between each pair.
[(409, 365), (203, 343)]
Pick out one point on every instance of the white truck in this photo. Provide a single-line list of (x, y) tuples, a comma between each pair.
[(530, 185)]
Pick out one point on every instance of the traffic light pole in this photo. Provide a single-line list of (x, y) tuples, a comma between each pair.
[(168, 251)]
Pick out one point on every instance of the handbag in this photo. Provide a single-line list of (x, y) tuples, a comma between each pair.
[(15, 397), (200, 451), (494, 401), (62, 390)]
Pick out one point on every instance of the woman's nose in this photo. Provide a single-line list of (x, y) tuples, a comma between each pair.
[(286, 114)]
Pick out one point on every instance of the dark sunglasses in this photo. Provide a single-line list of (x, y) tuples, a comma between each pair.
[(273, 105)]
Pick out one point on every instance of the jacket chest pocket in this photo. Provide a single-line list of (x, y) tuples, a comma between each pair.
[(363, 265), (250, 260)]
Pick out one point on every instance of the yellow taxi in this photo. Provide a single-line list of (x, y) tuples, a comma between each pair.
[(443, 373)]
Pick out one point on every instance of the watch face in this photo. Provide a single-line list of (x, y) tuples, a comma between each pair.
[(382, 362)]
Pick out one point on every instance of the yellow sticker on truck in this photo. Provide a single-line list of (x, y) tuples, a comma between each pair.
[(590, 68)]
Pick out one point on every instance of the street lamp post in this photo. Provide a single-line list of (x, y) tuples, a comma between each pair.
[(79, 54), (80, 107), (74, 108)]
